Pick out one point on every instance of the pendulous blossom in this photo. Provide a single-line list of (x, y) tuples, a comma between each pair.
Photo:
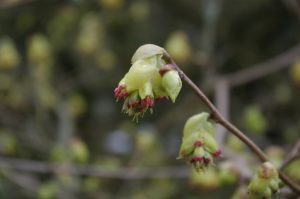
[(145, 83), (199, 145)]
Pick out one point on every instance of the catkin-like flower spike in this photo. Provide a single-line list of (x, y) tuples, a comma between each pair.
[(199, 145), (143, 84)]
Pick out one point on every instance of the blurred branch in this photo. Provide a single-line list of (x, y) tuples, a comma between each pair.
[(14, 3), (293, 155), (93, 170), (66, 123), (222, 98), (9, 4), (293, 6), (263, 69), (211, 10)]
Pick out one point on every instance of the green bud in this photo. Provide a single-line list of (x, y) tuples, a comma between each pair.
[(172, 84), (210, 143), (139, 74), (267, 171), (254, 120), (274, 185), (79, 150), (146, 51), (146, 90), (198, 122), (188, 145), (9, 57), (39, 50), (257, 187), (292, 170), (178, 47), (229, 172), (207, 180)]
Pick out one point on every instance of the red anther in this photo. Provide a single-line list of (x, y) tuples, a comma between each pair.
[(217, 153), (144, 103), (118, 92), (125, 94), (139, 109), (150, 101), (198, 144), (160, 98), (206, 161), (196, 159)]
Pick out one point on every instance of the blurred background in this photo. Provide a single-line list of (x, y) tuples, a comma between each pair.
[(62, 135)]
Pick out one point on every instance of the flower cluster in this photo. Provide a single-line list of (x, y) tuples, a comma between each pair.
[(265, 182), (148, 80), (199, 145)]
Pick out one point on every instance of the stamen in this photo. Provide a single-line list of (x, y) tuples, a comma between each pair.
[(198, 144), (217, 153)]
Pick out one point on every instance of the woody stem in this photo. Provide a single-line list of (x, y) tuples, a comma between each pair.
[(217, 117)]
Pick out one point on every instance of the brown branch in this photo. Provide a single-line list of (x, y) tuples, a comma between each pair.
[(293, 155), (265, 68), (229, 126)]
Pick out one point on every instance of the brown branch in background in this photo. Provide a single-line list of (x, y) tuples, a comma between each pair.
[(222, 98), (262, 69), (93, 170), (229, 126), (293, 155), (5, 4)]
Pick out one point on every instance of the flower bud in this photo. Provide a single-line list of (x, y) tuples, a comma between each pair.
[(264, 183), (171, 82), (143, 83), (206, 181), (267, 171), (9, 57), (188, 146), (178, 47), (198, 122), (228, 173), (147, 51), (199, 146), (210, 143), (139, 74), (39, 50)]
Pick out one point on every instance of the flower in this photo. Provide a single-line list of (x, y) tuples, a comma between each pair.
[(265, 182), (144, 84), (199, 145)]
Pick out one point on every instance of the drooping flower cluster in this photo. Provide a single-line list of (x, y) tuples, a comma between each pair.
[(265, 182), (145, 83), (199, 145)]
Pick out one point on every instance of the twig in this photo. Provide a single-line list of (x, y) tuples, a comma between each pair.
[(293, 155), (93, 170), (229, 126), (262, 69)]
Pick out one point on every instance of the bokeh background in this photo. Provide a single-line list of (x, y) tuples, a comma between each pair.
[(62, 135)]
